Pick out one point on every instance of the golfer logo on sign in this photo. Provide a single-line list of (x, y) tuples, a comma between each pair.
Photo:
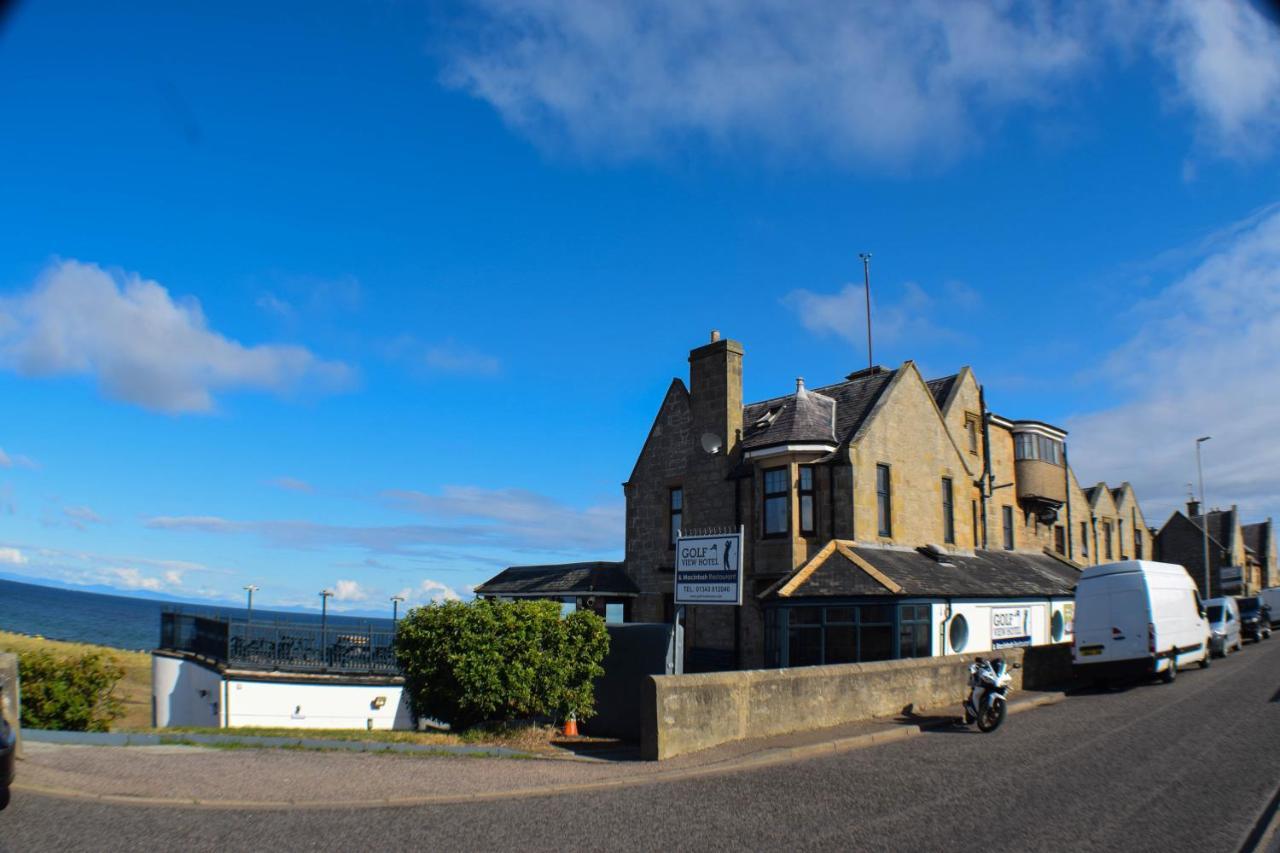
[(728, 564)]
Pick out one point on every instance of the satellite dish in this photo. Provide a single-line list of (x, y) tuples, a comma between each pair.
[(711, 443)]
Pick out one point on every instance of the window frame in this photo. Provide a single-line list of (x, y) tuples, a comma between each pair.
[(768, 496), (884, 500), (810, 495), (971, 428), (948, 511), (1006, 520), (1084, 538), (1060, 538)]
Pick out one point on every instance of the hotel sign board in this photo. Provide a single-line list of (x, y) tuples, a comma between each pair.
[(709, 569), (1010, 626)]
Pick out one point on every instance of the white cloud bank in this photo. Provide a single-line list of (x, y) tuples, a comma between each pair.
[(1205, 361), (141, 345), (877, 82)]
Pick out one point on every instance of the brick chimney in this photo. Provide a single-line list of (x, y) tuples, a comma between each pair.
[(715, 391)]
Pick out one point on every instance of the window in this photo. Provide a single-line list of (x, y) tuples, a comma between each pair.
[(805, 636), (1058, 626), (1059, 539), (971, 430), (677, 513), (806, 500), (974, 506), (1106, 538), (884, 500), (776, 492), (959, 633), (948, 513), (1137, 543), (1084, 538), (1120, 532), (1030, 445), (1006, 513), (914, 631)]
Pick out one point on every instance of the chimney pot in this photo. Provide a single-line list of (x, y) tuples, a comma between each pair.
[(799, 384), (715, 335)]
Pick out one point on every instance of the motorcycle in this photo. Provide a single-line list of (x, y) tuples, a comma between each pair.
[(988, 698)]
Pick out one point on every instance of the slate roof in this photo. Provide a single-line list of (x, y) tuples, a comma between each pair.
[(564, 579), (1257, 537), (985, 574), (806, 416), (1221, 525), (940, 388), (853, 398)]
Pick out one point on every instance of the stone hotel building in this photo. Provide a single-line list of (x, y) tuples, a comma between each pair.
[(886, 515)]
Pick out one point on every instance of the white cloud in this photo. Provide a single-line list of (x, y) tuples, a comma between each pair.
[(347, 590), (1225, 57), (81, 516), (141, 345), (12, 556), (445, 357), (1204, 361), (128, 577), (292, 484), (16, 461), (870, 82), (908, 318)]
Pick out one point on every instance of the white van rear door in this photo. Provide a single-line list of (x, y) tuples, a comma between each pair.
[(1111, 621)]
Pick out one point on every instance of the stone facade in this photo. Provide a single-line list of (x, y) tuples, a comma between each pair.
[(927, 437)]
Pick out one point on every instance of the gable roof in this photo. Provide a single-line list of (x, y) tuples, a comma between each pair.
[(1180, 518), (850, 570), (1257, 537), (941, 389), (564, 579)]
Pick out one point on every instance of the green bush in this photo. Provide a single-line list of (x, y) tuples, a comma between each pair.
[(500, 660), (70, 693)]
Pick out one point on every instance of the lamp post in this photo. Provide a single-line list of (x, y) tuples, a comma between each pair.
[(1204, 515), (395, 607), (325, 595), (249, 589)]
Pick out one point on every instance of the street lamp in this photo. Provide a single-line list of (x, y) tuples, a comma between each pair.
[(395, 606), (250, 589), (325, 595), (1204, 515)]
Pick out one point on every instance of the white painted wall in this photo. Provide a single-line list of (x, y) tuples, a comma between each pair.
[(316, 706), (184, 693), (978, 616)]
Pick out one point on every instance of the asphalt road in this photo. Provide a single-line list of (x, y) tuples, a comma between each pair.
[(1189, 766)]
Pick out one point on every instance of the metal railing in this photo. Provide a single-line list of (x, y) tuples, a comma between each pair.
[(287, 646)]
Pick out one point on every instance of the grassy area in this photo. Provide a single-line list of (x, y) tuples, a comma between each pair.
[(134, 689)]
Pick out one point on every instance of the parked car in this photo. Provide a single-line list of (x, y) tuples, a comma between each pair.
[(1224, 626), (1272, 599), (1137, 618), (1255, 617)]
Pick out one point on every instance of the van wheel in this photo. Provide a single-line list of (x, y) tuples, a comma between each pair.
[(1170, 672)]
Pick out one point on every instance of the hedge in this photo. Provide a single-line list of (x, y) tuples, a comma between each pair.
[(467, 663), (69, 693)]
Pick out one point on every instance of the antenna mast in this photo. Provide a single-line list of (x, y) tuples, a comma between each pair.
[(866, 280)]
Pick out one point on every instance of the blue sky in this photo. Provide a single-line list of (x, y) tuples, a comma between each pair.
[(384, 296)]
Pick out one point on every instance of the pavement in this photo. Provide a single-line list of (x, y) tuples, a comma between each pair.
[(1189, 766), (255, 778)]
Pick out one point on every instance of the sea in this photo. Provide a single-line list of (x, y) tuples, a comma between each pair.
[(124, 622)]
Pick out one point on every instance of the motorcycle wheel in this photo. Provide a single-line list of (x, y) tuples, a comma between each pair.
[(991, 717)]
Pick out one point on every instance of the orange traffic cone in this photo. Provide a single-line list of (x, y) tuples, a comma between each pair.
[(571, 726)]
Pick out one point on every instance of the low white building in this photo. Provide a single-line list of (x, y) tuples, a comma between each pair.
[(217, 674), (855, 603)]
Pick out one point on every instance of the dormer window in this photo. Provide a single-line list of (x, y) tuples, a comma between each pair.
[(768, 418)]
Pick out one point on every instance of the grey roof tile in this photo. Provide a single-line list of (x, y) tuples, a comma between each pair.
[(564, 579), (853, 400)]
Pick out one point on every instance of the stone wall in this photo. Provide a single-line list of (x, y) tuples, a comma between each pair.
[(686, 713), (907, 434)]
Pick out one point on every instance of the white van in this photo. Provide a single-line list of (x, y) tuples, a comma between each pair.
[(1137, 618), (1271, 597)]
